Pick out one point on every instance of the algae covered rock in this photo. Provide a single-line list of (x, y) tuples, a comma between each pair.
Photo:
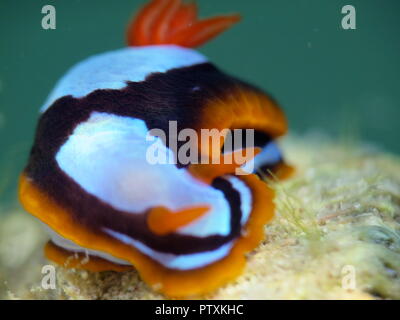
[(336, 235)]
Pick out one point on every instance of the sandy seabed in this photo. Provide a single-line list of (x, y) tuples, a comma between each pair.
[(336, 235)]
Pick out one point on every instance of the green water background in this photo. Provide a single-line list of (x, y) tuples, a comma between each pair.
[(326, 78)]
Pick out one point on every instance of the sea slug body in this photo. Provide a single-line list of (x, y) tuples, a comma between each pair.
[(184, 227)]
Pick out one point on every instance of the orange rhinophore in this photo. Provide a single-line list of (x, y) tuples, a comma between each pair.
[(162, 221)]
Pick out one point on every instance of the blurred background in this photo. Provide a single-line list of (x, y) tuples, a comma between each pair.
[(330, 80)]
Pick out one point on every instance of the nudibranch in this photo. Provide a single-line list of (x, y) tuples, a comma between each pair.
[(186, 228)]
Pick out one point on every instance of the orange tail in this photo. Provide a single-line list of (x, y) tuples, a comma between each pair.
[(174, 22)]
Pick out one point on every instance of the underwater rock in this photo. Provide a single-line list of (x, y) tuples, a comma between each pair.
[(335, 236)]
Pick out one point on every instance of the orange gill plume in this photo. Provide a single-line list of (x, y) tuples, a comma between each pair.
[(174, 22)]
